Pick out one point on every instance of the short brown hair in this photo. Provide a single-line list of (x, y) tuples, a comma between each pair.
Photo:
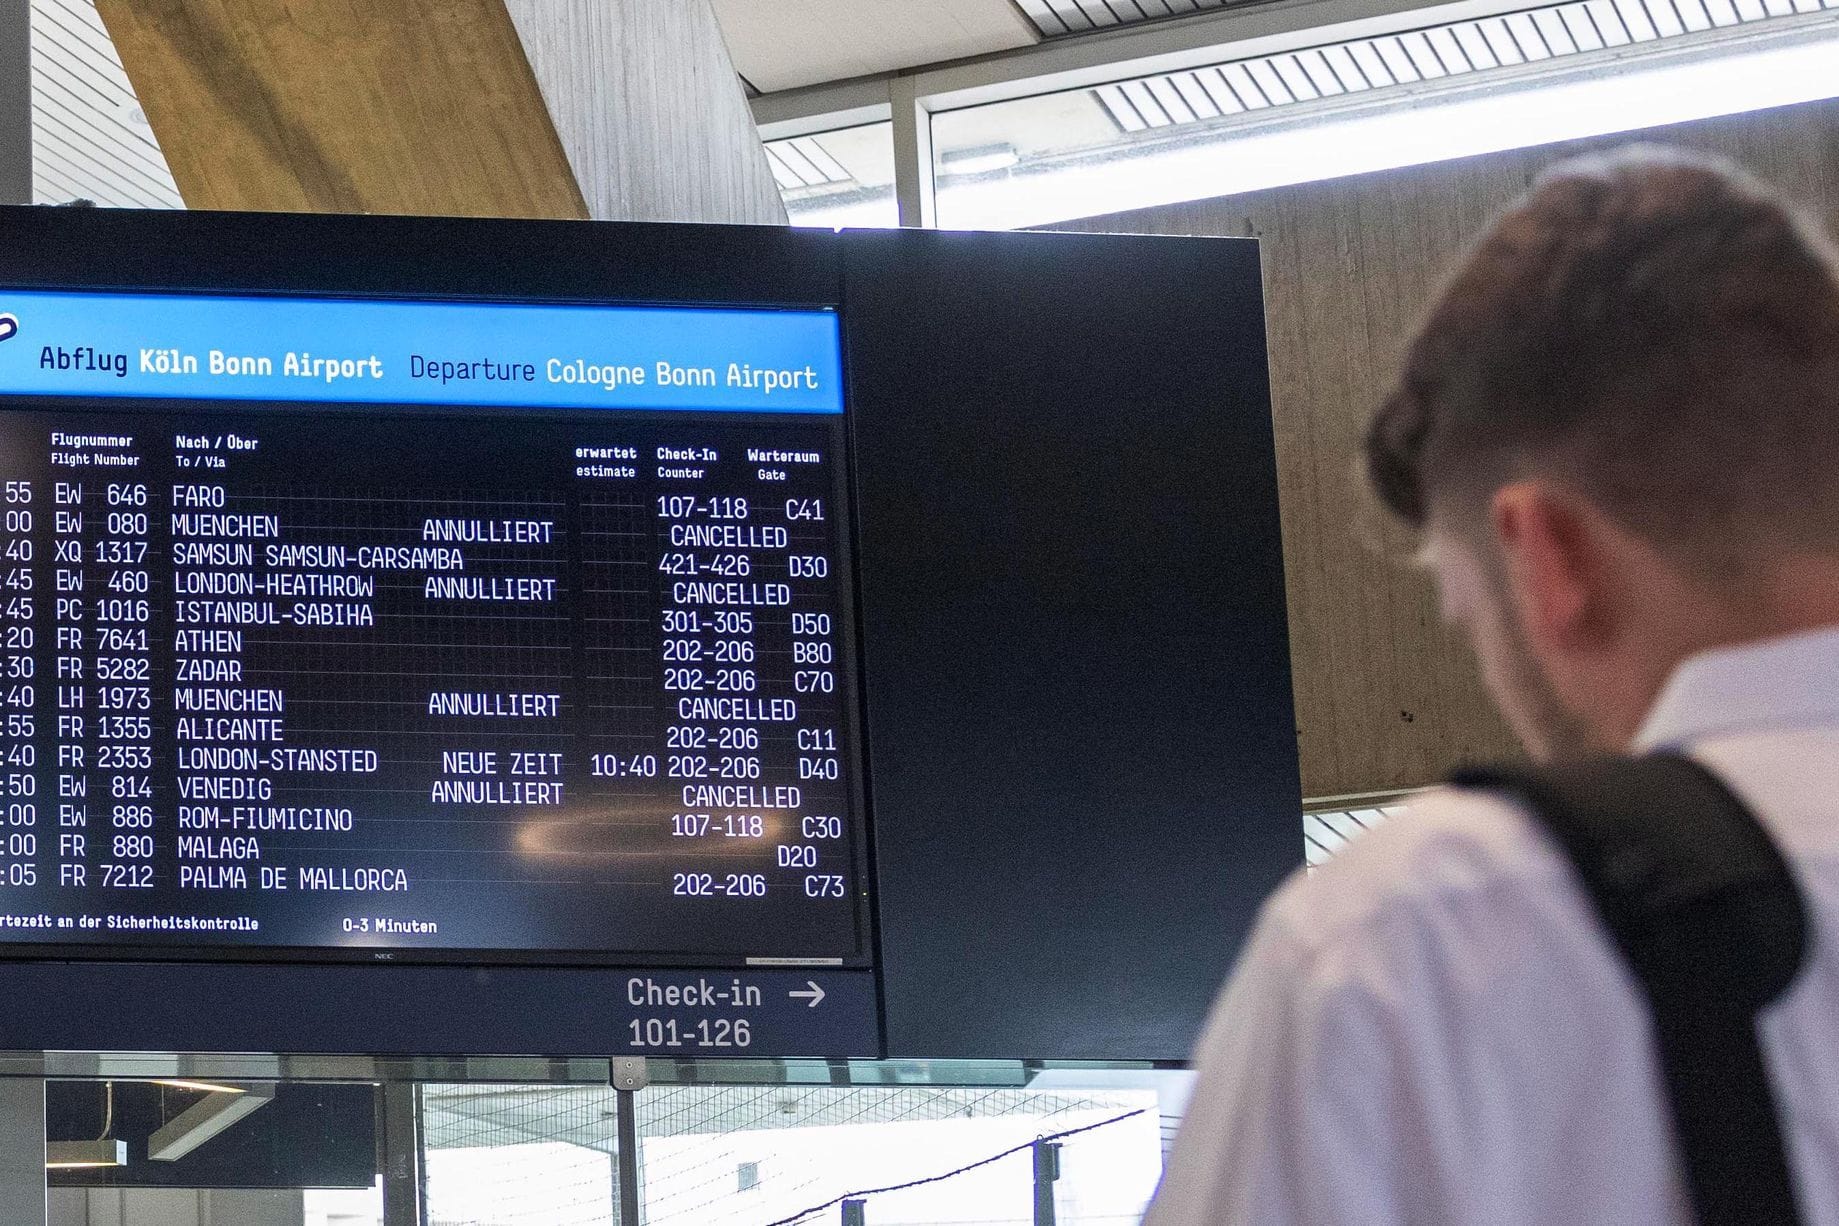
[(1655, 329)]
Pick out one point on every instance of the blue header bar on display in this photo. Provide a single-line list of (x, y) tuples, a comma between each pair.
[(316, 350)]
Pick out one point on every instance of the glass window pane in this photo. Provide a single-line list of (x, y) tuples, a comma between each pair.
[(327, 1207), (741, 1155), (1278, 120), (520, 1155), (266, 1153), (839, 178), (720, 1143)]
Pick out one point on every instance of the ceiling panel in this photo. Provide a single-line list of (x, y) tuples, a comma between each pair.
[(782, 44), (89, 137), (1055, 18), (1328, 832), (1458, 49)]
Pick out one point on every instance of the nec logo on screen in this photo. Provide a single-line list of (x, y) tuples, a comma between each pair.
[(9, 326)]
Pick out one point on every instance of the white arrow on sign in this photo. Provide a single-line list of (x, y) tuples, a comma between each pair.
[(815, 995)]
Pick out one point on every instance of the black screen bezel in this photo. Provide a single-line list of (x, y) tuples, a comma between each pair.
[(358, 274), (956, 346)]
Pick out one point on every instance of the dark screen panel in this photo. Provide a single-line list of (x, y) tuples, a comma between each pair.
[(481, 1004), (1078, 684), (418, 256), (1079, 752), (362, 683)]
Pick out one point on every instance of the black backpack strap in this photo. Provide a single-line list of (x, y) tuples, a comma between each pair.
[(1706, 913)]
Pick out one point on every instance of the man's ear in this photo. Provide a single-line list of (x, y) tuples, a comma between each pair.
[(1553, 559)]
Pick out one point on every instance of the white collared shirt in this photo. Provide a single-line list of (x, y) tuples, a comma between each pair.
[(1433, 1027)]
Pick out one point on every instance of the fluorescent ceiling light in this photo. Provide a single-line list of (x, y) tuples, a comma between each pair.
[(209, 1087), (986, 160), (870, 212), (1408, 133), (84, 1155)]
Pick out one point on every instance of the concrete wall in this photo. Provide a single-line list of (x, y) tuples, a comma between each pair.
[(1385, 696)]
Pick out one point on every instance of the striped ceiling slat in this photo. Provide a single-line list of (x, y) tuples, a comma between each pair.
[(89, 136), (1327, 832), (1459, 49), (802, 162), (1058, 18)]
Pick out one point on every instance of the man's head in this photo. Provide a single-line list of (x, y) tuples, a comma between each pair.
[(1618, 433)]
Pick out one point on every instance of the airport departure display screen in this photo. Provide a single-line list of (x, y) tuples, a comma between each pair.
[(386, 629)]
